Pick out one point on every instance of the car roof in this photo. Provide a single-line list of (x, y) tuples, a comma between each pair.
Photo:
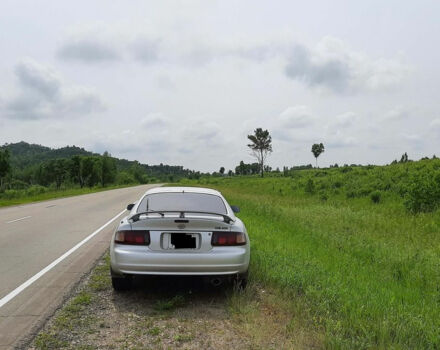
[(172, 189)]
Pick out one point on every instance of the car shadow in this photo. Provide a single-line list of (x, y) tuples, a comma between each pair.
[(155, 295)]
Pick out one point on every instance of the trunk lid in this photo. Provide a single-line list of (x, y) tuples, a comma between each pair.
[(194, 230)]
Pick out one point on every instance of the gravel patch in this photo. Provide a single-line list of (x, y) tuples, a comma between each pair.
[(168, 313)]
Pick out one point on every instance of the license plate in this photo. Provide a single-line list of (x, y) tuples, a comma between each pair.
[(180, 240)]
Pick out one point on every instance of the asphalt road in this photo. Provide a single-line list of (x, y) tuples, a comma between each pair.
[(33, 236)]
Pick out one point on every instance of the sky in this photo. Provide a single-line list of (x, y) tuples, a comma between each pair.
[(184, 83)]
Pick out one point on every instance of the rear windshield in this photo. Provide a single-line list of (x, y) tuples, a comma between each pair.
[(182, 201)]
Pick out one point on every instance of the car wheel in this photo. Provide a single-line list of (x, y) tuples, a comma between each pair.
[(241, 280), (121, 283)]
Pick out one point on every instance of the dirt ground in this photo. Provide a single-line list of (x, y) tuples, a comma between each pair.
[(172, 313)]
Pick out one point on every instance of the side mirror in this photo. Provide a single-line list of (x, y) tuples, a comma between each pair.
[(130, 206), (235, 209)]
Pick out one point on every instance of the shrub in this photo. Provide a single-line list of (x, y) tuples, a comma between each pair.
[(310, 186), (364, 191), (350, 194), (337, 184), (124, 178), (11, 194), (35, 189), (423, 194), (323, 196), (345, 169), (375, 196), (18, 185)]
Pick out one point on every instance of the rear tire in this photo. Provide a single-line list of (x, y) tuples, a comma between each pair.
[(121, 284), (241, 280)]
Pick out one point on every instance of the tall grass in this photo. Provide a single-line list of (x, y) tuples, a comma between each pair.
[(367, 271)]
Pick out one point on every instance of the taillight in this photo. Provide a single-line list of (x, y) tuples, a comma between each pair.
[(136, 237), (220, 238)]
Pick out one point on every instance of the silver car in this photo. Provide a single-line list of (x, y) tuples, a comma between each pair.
[(180, 231)]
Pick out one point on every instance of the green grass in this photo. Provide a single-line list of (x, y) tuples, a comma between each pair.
[(75, 317), (99, 279), (366, 271), (22, 197), (170, 304)]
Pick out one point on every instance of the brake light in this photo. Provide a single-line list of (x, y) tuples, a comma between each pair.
[(220, 238), (135, 237)]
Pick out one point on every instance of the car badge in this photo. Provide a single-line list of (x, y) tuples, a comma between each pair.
[(181, 226)]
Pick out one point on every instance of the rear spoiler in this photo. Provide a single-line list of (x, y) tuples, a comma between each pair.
[(136, 217)]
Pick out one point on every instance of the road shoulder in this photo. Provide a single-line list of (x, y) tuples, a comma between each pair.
[(170, 313)]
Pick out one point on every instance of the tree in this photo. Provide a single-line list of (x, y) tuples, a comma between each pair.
[(222, 170), (240, 169), (91, 170), (108, 172), (60, 170), (261, 146), (404, 158), (5, 166), (317, 149), (76, 170), (139, 172)]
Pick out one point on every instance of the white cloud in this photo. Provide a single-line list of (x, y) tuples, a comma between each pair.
[(414, 141), (344, 120), (396, 114), (154, 121), (339, 139), (435, 124), (88, 50), (334, 66), (296, 117), (43, 94), (90, 44), (145, 49), (331, 65)]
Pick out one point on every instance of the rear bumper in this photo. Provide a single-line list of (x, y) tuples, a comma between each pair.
[(144, 261)]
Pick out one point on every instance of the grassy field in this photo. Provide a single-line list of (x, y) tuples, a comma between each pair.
[(40, 193), (357, 250)]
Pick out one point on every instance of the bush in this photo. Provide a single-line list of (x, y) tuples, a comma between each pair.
[(423, 195), (337, 184), (124, 178), (375, 196), (345, 169), (18, 185), (310, 186), (350, 194), (11, 194), (35, 190)]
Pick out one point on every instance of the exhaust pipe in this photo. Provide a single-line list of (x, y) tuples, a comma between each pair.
[(215, 282)]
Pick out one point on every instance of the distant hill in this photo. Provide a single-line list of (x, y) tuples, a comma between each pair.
[(24, 155)]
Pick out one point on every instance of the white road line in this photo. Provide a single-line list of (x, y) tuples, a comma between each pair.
[(49, 267), (10, 222)]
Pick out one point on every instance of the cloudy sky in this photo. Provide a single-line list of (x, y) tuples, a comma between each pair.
[(184, 82)]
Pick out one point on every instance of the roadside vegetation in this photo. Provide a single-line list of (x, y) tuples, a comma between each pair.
[(30, 173), (355, 249), (41, 193)]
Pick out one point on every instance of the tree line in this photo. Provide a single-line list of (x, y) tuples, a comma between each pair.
[(23, 165)]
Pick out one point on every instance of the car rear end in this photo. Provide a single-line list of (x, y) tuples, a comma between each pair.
[(180, 243)]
